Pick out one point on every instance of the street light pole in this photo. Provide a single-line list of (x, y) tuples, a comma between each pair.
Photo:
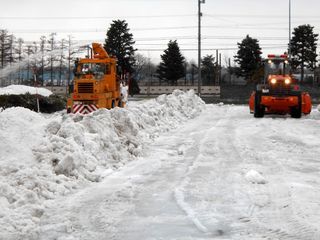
[(199, 45)]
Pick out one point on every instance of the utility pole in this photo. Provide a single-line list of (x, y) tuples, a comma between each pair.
[(199, 45), (220, 77), (69, 61), (289, 50), (230, 76), (216, 80)]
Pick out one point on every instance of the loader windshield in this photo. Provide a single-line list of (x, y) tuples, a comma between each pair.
[(277, 67)]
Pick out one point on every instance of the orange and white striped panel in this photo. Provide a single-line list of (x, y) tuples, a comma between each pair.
[(84, 108)]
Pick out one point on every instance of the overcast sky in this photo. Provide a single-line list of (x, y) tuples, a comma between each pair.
[(154, 22)]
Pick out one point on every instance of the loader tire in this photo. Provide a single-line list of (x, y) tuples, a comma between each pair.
[(258, 108), (296, 112)]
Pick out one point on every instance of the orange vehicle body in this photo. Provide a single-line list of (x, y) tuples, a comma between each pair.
[(279, 94), (95, 83)]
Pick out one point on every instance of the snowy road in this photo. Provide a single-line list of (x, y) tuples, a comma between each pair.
[(198, 182)]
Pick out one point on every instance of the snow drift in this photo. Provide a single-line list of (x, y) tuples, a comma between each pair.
[(22, 89), (43, 156)]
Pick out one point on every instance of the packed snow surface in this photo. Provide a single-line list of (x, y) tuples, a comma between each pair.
[(22, 89), (170, 168)]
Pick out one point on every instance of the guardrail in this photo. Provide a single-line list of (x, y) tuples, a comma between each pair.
[(156, 90)]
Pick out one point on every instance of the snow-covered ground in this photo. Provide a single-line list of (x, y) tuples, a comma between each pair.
[(22, 89), (170, 168)]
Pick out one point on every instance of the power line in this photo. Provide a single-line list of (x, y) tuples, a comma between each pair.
[(93, 18), (98, 30), (205, 37), (206, 49), (259, 16), (205, 44)]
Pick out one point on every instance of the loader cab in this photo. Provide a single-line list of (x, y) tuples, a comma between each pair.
[(97, 70), (277, 65)]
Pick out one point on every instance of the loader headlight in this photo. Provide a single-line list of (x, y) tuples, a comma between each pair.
[(273, 81), (287, 81)]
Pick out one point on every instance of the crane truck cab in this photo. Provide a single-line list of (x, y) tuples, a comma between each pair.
[(279, 93), (95, 83)]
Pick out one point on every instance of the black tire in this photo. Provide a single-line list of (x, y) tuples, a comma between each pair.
[(296, 111), (112, 104), (120, 103), (258, 108)]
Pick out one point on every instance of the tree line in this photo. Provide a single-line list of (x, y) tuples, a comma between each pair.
[(52, 60), (173, 66), (51, 55), (20, 61)]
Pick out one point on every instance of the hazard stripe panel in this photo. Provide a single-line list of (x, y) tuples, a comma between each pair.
[(84, 108)]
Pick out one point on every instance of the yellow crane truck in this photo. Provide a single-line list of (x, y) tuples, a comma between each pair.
[(95, 83)]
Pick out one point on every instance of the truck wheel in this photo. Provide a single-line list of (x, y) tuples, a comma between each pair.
[(258, 108), (119, 103), (296, 111), (112, 104)]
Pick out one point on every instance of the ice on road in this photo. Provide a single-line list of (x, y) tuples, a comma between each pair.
[(222, 175)]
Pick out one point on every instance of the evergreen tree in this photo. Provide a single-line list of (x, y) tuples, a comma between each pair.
[(208, 70), (249, 58), (304, 48), (171, 67), (119, 43)]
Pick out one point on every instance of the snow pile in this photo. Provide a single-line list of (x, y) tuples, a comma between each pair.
[(43, 157), (255, 177), (22, 89)]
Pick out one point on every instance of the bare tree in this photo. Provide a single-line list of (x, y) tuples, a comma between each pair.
[(11, 57), (192, 69), (43, 51), (52, 42), (5, 46), (35, 63), (144, 69), (19, 53), (140, 63), (63, 47), (71, 52), (29, 51)]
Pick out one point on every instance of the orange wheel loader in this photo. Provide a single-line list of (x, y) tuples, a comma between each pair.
[(279, 94)]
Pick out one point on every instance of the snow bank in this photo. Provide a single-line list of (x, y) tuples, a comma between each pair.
[(255, 177), (22, 89), (44, 157)]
